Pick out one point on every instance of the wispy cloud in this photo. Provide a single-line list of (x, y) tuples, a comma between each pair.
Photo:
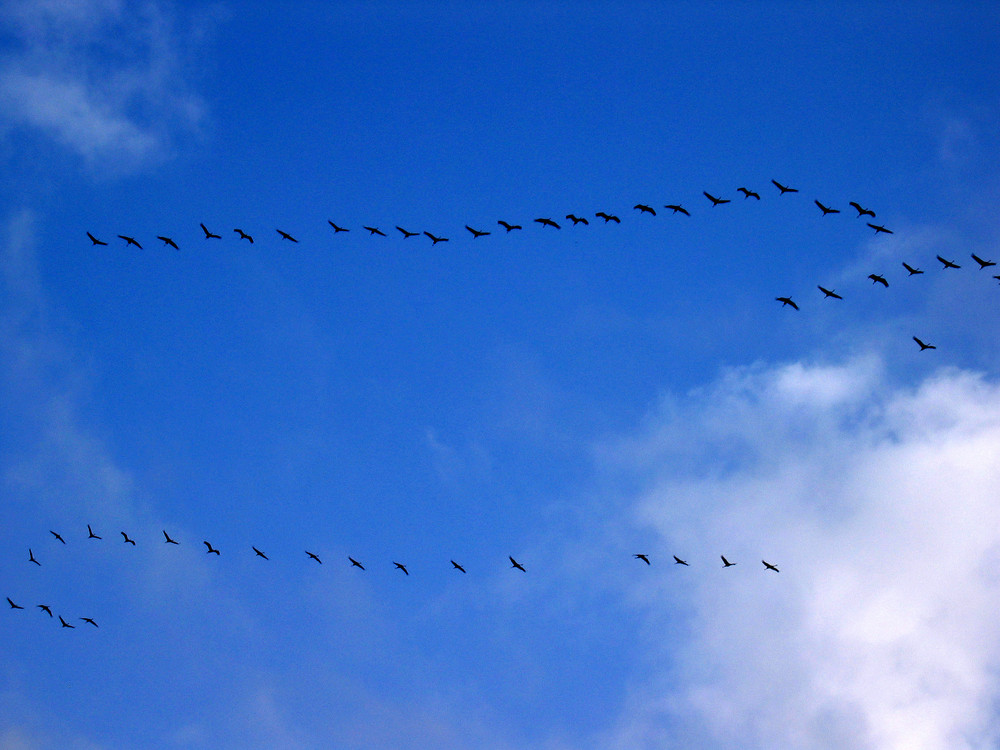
[(102, 78)]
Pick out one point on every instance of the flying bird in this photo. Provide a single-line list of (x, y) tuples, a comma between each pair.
[(475, 232), (829, 292), (862, 211), (130, 241), (456, 566), (407, 235), (644, 209), (286, 235), (913, 271), (375, 230), (66, 624), (31, 557), (826, 209), (678, 561), (715, 201), (211, 550), (644, 558), (259, 553), (922, 345), (948, 263), (94, 240), (577, 220), (507, 226), (243, 235), (435, 240), (877, 279), (87, 619), (127, 540), (515, 564), (168, 241), (725, 562), (168, 539), (12, 605), (608, 217), (748, 193), (209, 235), (770, 567), (45, 608), (355, 563), (338, 229), (786, 301), (879, 228), (982, 263), (401, 567), (314, 557), (548, 223), (783, 188), (57, 536), (91, 534), (678, 209)]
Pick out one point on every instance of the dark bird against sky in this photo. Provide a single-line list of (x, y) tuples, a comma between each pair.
[(786, 301), (209, 235)]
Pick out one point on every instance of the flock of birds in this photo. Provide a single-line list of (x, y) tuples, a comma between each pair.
[(212, 550)]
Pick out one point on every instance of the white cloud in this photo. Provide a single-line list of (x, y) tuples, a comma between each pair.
[(879, 506)]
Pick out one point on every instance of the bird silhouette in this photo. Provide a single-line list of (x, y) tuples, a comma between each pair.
[(770, 567), (577, 220), (548, 223), (715, 201), (338, 229), (127, 540), (45, 608), (435, 240), (168, 241), (678, 561), (913, 271), (786, 301), (355, 563), (209, 235), (130, 241), (947, 263), (407, 235), (401, 567), (877, 279), (286, 236), (375, 230), (725, 562), (210, 549), (677, 209), (829, 292), (608, 217), (87, 619), (91, 534), (879, 228), (243, 235), (168, 539), (94, 240), (515, 564), (66, 624), (456, 566), (826, 209), (31, 558), (507, 226), (314, 557), (57, 536), (862, 211), (747, 193), (640, 556), (644, 209), (12, 605), (259, 553), (476, 233), (982, 263), (922, 345), (783, 188)]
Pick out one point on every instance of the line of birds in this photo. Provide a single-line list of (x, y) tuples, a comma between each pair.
[(48, 610), (643, 208)]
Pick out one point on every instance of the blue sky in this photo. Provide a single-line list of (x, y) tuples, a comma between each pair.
[(569, 397)]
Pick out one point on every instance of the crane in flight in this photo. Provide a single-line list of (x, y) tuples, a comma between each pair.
[(913, 271), (375, 230), (678, 209), (783, 188), (243, 235), (314, 557), (715, 201), (168, 241), (88, 619), (577, 220), (725, 562), (407, 235), (947, 263), (355, 563), (476, 233), (57, 536), (982, 263), (127, 540), (826, 209), (66, 624), (338, 229), (401, 567), (786, 301), (747, 193), (166, 536), (91, 534), (209, 235), (94, 240), (210, 549), (922, 345), (879, 228), (12, 605), (643, 557), (435, 240), (877, 279), (608, 217), (678, 561), (456, 566), (31, 558), (548, 223), (829, 292), (45, 608), (861, 211), (507, 226), (770, 567), (286, 236), (130, 241), (644, 209), (515, 564), (259, 553)]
